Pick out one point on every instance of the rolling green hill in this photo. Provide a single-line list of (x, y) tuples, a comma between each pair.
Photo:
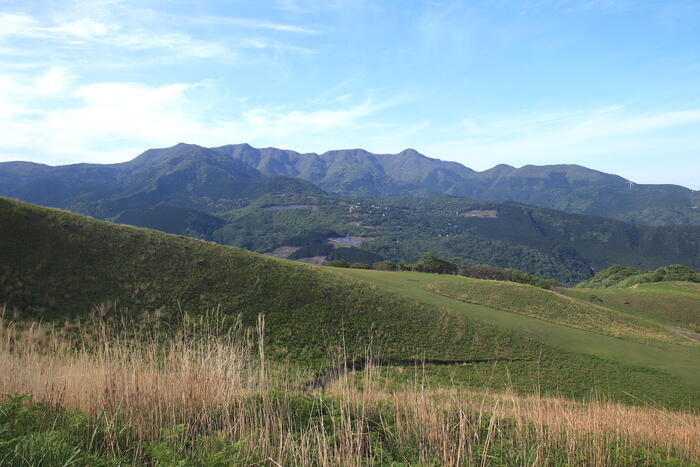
[(57, 267), (519, 313)]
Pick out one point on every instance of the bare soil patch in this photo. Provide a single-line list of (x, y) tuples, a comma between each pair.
[(483, 213), (283, 251)]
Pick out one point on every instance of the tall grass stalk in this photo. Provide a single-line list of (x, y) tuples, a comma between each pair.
[(209, 385)]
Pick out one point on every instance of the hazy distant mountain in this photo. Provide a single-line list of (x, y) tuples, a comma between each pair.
[(570, 188), (356, 171), (184, 175), (196, 177)]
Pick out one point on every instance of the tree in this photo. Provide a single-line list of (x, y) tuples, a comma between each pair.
[(430, 262), (386, 265)]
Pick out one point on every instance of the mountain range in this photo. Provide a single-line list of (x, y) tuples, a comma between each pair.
[(569, 188), (242, 171), (388, 206)]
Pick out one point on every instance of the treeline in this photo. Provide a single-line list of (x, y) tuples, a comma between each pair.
[(625, 276), (432, 263)]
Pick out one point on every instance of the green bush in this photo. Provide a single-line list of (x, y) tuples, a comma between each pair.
[(430, 262), (623, 276)]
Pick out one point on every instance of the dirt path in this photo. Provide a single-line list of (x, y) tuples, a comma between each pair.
[(690, 335)]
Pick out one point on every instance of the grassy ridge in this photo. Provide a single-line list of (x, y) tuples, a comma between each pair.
[(551, 306), (671, 303), (571, 359)]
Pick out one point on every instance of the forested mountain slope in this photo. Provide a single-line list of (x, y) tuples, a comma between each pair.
[(201, 175)]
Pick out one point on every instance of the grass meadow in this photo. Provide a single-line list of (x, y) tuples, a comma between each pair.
[(110, 392)]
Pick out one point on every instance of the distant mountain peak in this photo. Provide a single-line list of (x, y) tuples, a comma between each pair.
[(410, 152)]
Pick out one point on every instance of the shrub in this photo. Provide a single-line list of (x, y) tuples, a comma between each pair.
[(430, 262)]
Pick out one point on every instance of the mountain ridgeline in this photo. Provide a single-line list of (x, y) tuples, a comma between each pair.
[(357, 206), (239, 171), (570, 188)]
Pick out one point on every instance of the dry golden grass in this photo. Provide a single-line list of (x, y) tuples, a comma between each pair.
[(219, 384)]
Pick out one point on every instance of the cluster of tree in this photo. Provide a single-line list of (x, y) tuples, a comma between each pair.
[(625, 276), (483, 271), (432, 263), (341, 263)]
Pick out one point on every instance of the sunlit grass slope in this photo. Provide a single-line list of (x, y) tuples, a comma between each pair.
[(671, 303), (554, 307), (569, 350), (60, 267)]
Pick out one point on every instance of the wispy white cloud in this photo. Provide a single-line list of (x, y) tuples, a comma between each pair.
[(104, 30), (315, 5), (287, 123), (614, 135), (53, 81), (108, 122), (256, 24), (89, 32), (572, 126), (264, 43)]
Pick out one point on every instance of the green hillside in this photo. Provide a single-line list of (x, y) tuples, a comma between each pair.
[(671, 303), (57, 267), (574, 346), (544, 242), (553, 307)]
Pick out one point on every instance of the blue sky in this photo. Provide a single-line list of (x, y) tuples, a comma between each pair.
[(610, 84)]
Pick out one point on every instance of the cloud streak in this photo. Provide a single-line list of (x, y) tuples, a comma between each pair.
[(613, 134), (108, 122), (87, 32), (257, 24)]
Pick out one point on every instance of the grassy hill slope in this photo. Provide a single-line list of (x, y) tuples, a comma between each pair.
[(614, 359), (56, 267), (672, 303), (553, 307)]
